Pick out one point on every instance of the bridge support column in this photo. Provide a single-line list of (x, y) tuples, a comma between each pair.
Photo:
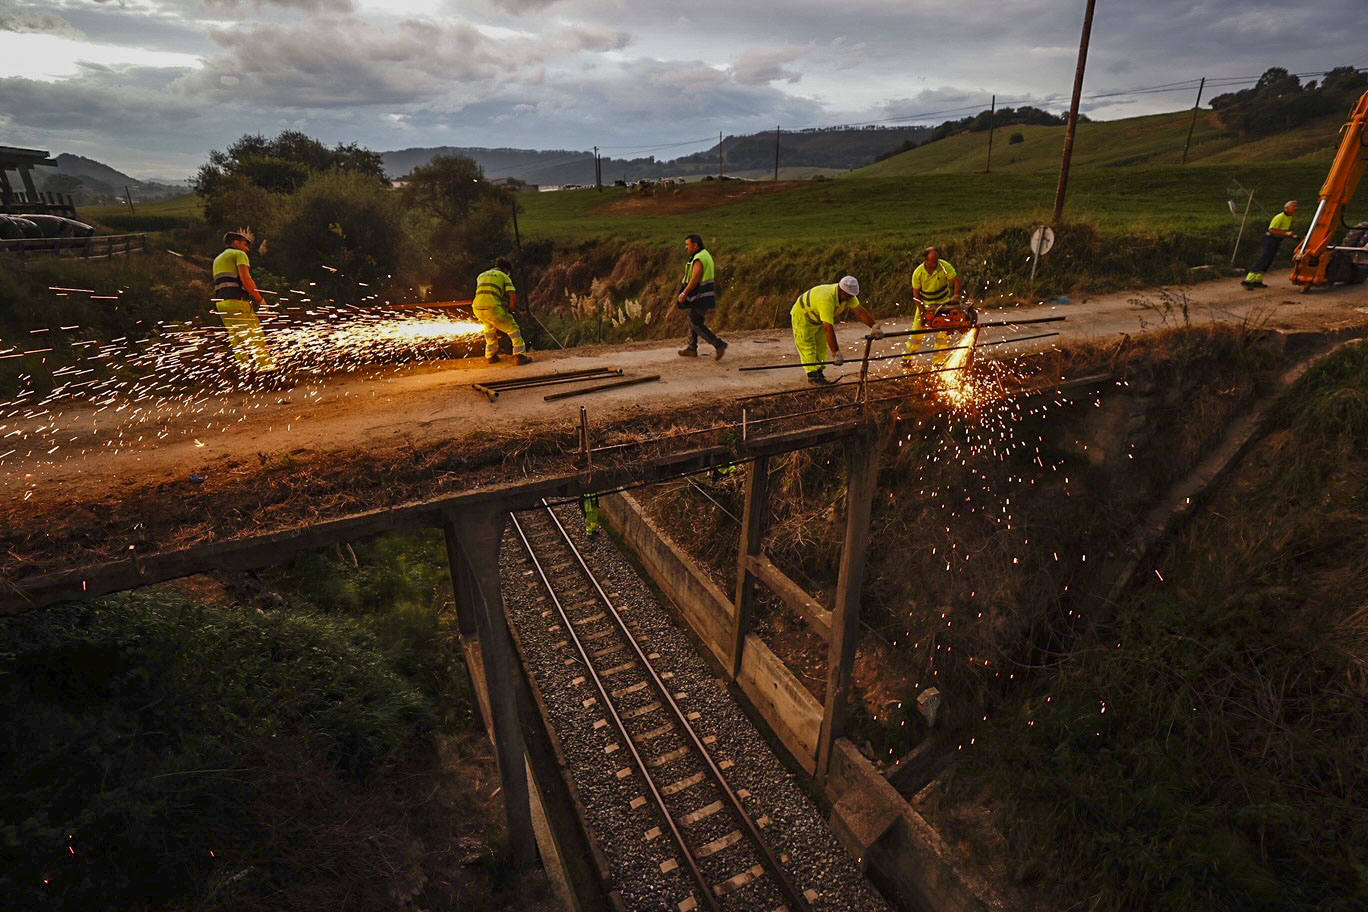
[(754, 520), (862, 461), (473, 541)]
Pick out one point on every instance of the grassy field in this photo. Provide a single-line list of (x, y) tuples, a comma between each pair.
[(1153, 141), (189, 206), (918, 210)]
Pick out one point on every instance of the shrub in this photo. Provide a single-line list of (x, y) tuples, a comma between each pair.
[(348, 223)]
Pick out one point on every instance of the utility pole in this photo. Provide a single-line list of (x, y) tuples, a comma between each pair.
[(1073, 115), (598, 171), (128, 196), (719, 156), (992, 109), (517, 237), (776, 155), (1192, 126)]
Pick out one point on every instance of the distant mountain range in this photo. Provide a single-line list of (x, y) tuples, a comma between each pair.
[(833, 149), (90, 182)]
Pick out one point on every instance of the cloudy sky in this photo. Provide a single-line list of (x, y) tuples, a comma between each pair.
[(150, 86)]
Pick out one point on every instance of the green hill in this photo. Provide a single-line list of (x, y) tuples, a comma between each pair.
[(1153, 140)]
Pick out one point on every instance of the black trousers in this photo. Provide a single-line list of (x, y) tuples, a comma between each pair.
[(697, 327), (1267, 252)]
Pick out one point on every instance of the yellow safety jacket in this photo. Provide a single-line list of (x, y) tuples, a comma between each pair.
[(492, 289)]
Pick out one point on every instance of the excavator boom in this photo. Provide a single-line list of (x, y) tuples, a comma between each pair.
[(1312, 260)]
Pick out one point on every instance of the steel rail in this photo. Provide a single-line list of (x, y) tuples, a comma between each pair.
[(694, 871), (776, 869)]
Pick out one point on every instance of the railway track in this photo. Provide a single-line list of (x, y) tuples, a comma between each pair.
[(705, 840)]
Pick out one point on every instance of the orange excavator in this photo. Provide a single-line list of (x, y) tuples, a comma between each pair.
[(1317, 261)]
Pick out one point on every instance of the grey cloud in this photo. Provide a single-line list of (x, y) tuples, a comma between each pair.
[(345, 63), (28, 21), (522, 6), (582, 38), (762, 67), (311, 6)]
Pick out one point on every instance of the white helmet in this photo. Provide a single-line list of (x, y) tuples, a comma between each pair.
[(850, 285)]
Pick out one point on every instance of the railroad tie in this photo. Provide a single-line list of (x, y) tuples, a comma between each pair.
[(702, 813), (731, 885)]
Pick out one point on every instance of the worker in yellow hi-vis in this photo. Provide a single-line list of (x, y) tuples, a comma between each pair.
[(495, 301), (814, 317), (234, 292), (935, 284)]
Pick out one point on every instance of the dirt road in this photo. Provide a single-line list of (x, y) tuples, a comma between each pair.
[(127, 463)]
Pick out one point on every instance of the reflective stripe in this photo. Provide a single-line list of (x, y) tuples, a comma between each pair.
[(805, 299)]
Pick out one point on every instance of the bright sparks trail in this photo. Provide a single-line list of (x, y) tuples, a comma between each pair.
[(78, 395), (956, 383)]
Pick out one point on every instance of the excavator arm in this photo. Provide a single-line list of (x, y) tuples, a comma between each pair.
[(1312, 260)]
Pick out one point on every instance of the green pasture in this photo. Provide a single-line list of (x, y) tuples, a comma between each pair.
[(915, 210), (1136, 142)]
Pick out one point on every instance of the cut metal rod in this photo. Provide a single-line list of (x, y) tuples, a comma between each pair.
[(492, 388), (629, 381), (922, 332), (554, 377), (905, 354)]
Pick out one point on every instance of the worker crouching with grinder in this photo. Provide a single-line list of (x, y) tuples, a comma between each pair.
[(937, 292)]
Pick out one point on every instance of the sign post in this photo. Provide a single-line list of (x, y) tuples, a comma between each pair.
[(1042, 239)]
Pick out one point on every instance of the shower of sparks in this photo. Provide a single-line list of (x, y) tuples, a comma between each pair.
[(998, 460), (107, 395)]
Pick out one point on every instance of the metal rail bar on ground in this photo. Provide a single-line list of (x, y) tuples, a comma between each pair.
[(628, 381), (492, 388)]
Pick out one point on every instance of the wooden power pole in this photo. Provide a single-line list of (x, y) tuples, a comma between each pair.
[(1073, 115)]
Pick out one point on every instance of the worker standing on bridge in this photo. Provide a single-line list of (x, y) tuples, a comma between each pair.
[(935, 284), (495, 301), (814, 317), (1278, 228), (697, 296), (234, 292)]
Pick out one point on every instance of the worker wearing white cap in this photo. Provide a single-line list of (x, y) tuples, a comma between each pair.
[(814, 317)]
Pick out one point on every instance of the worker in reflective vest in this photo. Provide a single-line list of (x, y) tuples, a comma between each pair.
[(814, 317), (697, 296), (495, 301), (234, 292), (935, 283), (1278, 228)]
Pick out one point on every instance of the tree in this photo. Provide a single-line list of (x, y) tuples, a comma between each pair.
[(446, 188), (283, 164), (340, 229), (468, 220)]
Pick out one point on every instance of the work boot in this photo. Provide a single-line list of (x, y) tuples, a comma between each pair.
[(492, 359), (687, 352), (1257, 285), (817, 378), (522, 359), (721, 350)]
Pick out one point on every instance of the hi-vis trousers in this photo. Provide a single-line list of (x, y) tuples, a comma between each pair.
[(497, 319), (244, 334)]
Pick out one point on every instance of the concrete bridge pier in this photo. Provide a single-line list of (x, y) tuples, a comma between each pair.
[(473, 540)]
